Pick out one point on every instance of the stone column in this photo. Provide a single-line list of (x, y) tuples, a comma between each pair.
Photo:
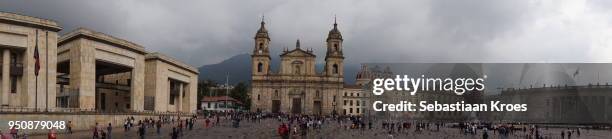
[(82, 73), (6, 65), (187, 99), (180, 98), (168, 94), (138, 81)]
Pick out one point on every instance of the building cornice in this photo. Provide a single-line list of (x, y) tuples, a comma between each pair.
[(101, 37), (29, 21), (171, 61)]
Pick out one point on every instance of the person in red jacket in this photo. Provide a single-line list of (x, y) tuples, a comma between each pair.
[(14, 132), (2, 136), (52, 134), (283, 131)]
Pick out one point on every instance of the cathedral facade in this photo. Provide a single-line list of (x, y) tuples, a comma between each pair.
[(297, 88)]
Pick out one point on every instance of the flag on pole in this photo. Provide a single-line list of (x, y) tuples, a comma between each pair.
[(577, 72), (36, 57)]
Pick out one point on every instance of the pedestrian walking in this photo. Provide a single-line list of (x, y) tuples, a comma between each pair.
[(14, 132), (283, 131), (52, 134), (158, 126), (174, 133), (191, 124), (109, 129), (70, 127), (141, 131), (2, 136), (96, 129)]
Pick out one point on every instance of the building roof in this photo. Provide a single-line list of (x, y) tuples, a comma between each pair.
[(98, 36), (220, 98), (29, 21), (262, 32), (334, 33), (298, 51), (170, 60), (348, 86)]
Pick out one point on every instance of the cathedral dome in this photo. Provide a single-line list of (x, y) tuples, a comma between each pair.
[(364, 73)]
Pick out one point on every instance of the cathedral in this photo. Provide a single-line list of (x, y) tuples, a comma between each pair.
[(297, 88)]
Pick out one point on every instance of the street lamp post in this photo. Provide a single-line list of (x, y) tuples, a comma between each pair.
[(334, 105)]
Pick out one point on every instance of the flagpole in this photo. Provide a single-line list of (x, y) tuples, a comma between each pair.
[(36, 78), (36, 92), (47, 71)]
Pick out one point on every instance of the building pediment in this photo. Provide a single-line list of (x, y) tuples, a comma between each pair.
[(297, 53)]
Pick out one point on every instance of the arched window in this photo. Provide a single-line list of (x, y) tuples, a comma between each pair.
[(276, 93), (317, 94), (336, 47), (335, 69), (297, 69), (260, 48), (259, 67), (258, 97)]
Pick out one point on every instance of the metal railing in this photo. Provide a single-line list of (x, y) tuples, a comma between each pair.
[(67, 97), (16, 69)]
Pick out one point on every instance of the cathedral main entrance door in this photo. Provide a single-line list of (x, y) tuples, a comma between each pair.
[(276, 106), (297, 106), (316, 107)]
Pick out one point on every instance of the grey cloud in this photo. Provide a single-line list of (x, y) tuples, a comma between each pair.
[(207, 32)]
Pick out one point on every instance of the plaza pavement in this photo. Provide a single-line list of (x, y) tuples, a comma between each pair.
[(266, 129)]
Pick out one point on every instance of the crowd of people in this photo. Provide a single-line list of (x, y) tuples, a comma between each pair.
[(305, 126), (179, 126)]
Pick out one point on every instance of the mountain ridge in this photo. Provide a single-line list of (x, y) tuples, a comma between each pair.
[(238, 69)]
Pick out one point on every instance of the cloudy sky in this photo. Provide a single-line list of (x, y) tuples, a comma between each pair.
[(208, 31)]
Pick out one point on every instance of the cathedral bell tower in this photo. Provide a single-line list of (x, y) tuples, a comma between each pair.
[(334, 65), (261, 54)]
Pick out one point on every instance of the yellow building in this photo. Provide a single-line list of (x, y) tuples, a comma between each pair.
[(297, 87)]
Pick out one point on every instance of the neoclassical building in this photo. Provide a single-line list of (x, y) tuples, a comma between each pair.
[(297, 87), (104, 73), (86, 70), (20, 37)]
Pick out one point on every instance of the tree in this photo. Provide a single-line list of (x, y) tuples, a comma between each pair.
[(240, 93), (204, 87)]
